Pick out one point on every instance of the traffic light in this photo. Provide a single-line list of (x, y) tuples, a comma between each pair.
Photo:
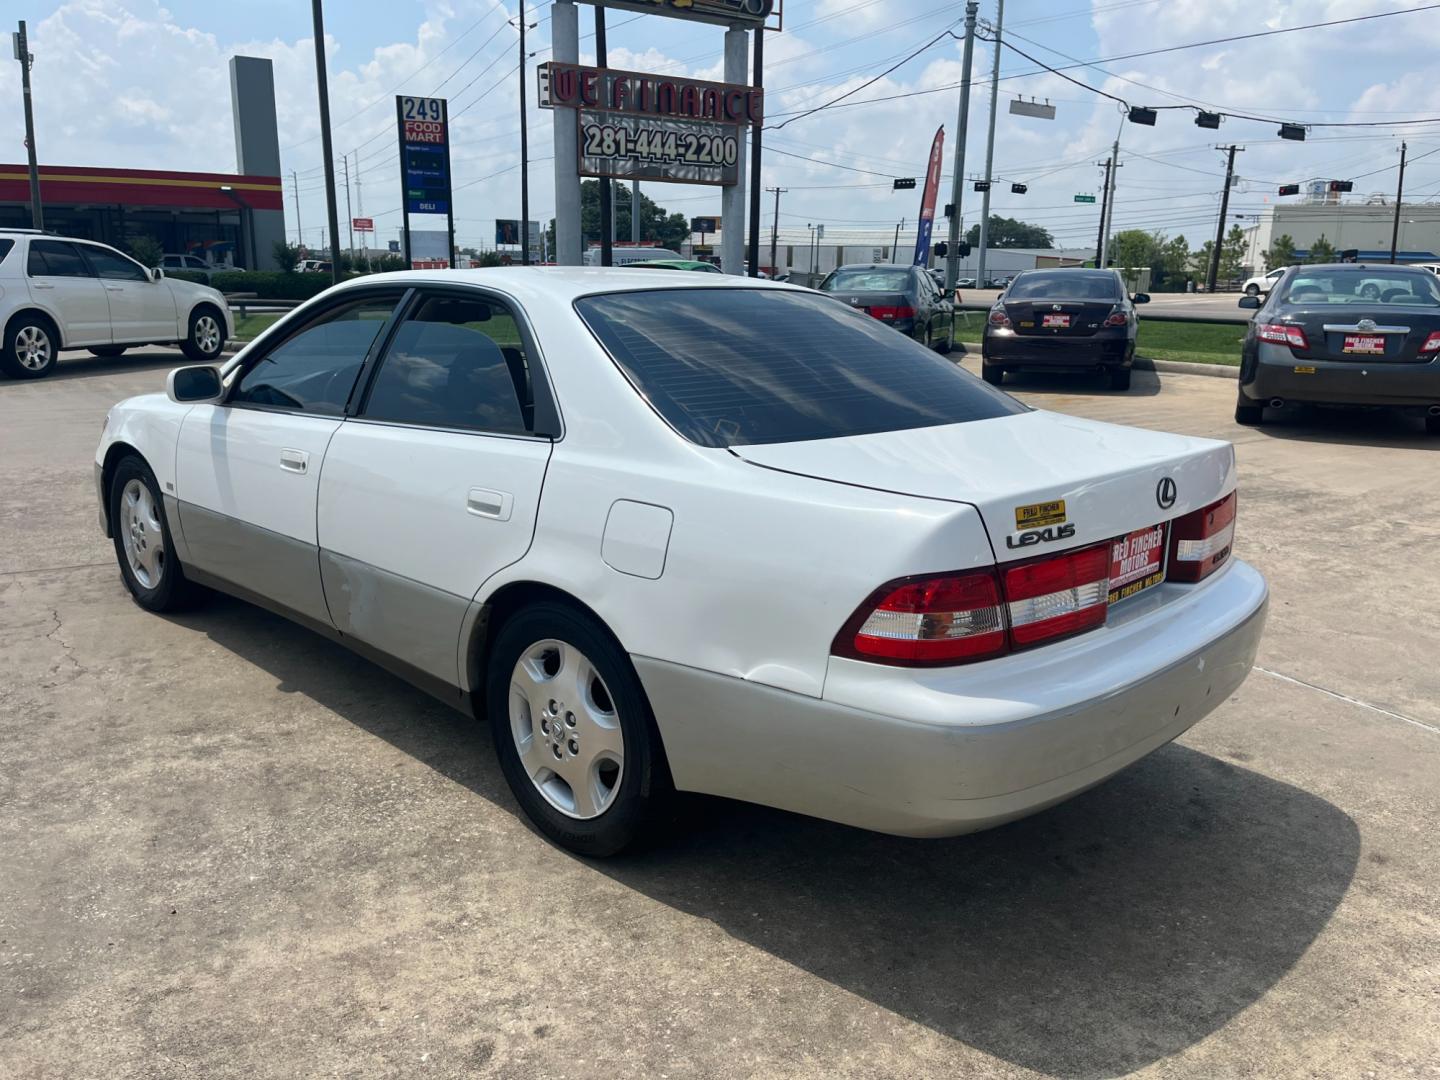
[(1144, 116), (982, 185), (949, 209), (1018, 189), (1341, 185), (1207, 119), (1293, 132), (1289, 189), (904, 183), (964, 249), (942, 249)]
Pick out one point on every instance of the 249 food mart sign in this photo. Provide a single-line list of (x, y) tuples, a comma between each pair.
[(653, 127)]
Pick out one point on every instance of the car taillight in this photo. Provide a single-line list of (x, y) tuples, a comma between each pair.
[(889, 313), (1432, 343), (1283, 334), (998, 317), (1201, 541), (924, 621), (1057, 596), (1116, 318)]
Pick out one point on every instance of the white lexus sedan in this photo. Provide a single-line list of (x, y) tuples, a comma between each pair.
[(673, 532)]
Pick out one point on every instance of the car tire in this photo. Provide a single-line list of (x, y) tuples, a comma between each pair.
[(1252, 290), (992, 373), (1248, 412), (1432, 425), (107, 350), (205, 338), (1370, 292), (143, 545), (1120, 379), (560, 690), (31, 349), (945, 347)]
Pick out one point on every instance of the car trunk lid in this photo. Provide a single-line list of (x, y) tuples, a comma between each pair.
[(887, 306), (1365, 335), (1058, 318), (1043, 482)]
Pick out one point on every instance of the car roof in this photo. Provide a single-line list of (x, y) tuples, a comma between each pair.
[(566, 283), (1372, 268)]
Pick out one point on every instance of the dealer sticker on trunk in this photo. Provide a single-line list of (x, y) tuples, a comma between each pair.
[(1037, 515), (1137, 561)]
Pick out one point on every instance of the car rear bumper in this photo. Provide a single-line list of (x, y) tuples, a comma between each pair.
[(1278, 373), (950, 751), (1105, 349)]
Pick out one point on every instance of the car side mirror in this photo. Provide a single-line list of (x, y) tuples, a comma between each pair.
[(156, 273), (1140, 298), (1249, 302), (196, 385)]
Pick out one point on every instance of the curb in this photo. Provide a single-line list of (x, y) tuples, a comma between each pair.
[(1144, 363)]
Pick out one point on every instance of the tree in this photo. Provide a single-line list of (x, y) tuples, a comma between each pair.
[(1281, 253), (1010, 233), (286, 256), (656, 225), (1132, 248), (1322, 251), (1232, 253), (147, 250)]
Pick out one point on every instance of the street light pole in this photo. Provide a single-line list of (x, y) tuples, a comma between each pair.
[(952, 254), (1399, 195), (22, 53), (332, 212), (990, 145)]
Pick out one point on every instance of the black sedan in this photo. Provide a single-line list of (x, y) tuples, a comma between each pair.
[(1067, 319), (1344, 334), (904, 297)]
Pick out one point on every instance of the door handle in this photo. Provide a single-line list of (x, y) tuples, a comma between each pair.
[(41, 285), (296, 461), (114, 288), (482, 502)]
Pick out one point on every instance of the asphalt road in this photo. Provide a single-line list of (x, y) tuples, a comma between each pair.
[(230, 849)]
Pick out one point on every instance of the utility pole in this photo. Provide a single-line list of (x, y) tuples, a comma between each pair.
[(322, 84), (348, 212), (952, 254), (22, 53), (1224, 211), (1104, 205), (758, 80), (524, 153), (1399, 194), (990, 145), (360, 209), (607, 246), (1109, 214), (775, 230), (299, 233), (895, 248)]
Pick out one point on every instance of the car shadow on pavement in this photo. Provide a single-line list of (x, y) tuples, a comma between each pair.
[(1142, 383), (1091, 940), (1349, 427), (79, 364)]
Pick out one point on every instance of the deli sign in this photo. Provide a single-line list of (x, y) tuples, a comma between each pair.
[(725, 12), (578, 86)]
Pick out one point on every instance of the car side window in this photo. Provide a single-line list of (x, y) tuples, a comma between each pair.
[(113, 266), (314, 369), (56, 258), (456, 362)]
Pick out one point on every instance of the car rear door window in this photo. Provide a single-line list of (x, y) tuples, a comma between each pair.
[(736, 366), (56, 258), (314, 369), (5, 246), (113, 266), (455, 362)]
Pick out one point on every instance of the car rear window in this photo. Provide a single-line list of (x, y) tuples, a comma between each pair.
[(5, 246), (875, 279), (1062, 285), (736, 366), (1364, 286)]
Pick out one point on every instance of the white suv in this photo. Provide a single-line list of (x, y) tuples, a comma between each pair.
[(1262, 283), (62, 293)]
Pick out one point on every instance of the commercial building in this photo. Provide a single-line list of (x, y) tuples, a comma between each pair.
[(227, 219), (1365, 227)]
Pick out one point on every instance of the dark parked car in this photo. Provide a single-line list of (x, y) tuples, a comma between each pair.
[(1068, 319), (904, 297), (1344, 334)]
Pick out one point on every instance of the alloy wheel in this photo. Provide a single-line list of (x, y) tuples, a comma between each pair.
[(33, 348), (143, 534), (207, 333), (566, 729)]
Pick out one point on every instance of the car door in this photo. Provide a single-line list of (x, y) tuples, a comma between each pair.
[(248, 470), (141, 309), (434, 484), (62, 281)]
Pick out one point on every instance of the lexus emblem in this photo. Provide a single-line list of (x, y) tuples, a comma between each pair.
[(1365, 325), (1054, 307), (1165, 493)]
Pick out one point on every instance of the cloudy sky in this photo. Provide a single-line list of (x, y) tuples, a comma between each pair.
[(141, 84)]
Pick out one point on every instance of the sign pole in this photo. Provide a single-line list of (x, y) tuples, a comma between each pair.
[(404, 188), (732, 198), (952, 255), (607, 240), (565, 46), (22, 53), (758, 80), (450, 259), (1104, 204)]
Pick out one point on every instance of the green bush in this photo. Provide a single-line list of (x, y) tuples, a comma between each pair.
[(188, 275)]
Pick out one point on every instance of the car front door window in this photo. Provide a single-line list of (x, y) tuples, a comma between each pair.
[(314, 370)]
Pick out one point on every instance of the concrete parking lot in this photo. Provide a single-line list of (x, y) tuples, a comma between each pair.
[(228, 848)]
